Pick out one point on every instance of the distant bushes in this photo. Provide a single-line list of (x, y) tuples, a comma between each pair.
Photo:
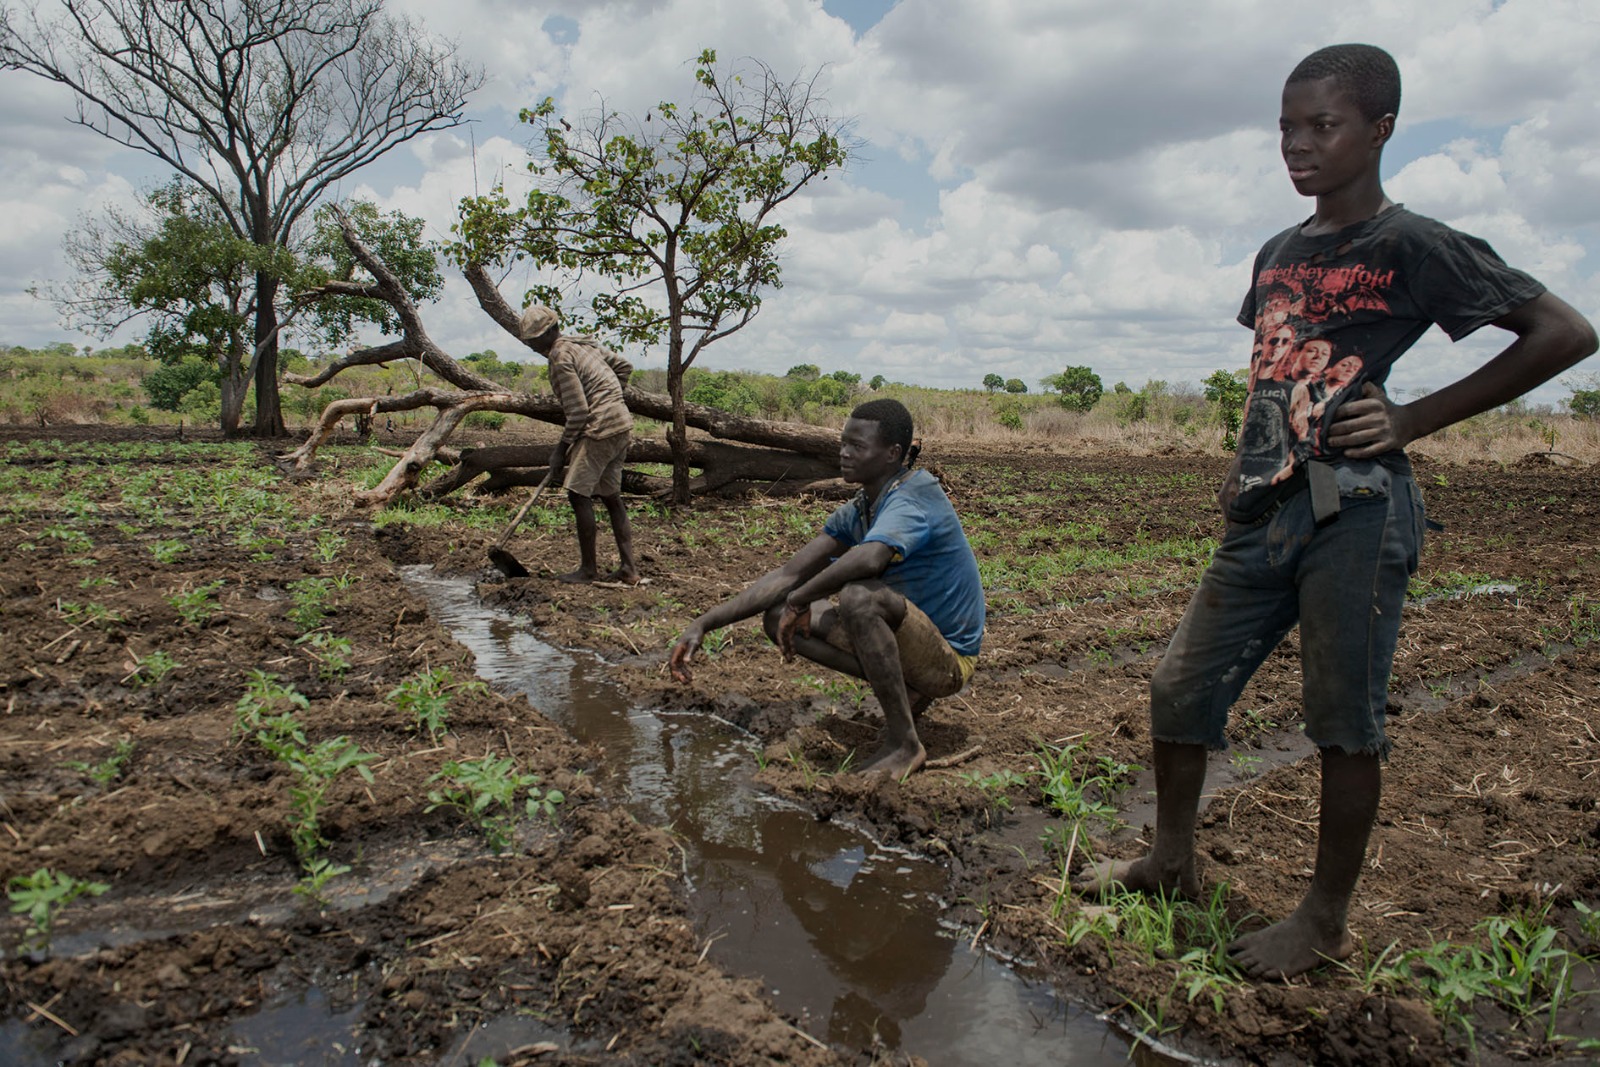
[(59, 385)]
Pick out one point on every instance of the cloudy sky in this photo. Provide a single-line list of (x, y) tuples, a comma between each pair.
[(1042, 183)]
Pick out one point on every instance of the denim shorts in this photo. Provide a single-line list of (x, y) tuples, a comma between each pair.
[(1344, 583)]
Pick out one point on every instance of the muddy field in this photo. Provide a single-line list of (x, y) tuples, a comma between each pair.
[(152, 588)]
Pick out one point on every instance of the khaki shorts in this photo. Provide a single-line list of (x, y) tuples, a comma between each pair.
[(594, 467), (931, 666)]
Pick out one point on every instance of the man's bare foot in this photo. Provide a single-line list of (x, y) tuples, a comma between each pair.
[(577, 577), (1294, 946), (625, 575), (894, 762), (1137, 876)]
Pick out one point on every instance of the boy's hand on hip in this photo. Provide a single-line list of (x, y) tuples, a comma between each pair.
[(1370, 425)]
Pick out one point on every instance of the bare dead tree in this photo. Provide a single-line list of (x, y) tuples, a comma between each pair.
[(264, 104)]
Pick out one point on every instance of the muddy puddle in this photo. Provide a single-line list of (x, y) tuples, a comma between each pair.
[(845, 933)]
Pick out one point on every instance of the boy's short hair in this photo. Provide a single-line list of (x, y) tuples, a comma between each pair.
[(1365, 72), (894, 421)]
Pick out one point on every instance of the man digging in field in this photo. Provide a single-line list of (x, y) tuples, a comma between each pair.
[(909, 614), (1324, 519), (588, 380)]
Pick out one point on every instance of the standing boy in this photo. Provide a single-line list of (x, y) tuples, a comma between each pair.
[(910, 613), (1324, 520), (587, 462)]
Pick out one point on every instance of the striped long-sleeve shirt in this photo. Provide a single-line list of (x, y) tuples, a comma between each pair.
[(588, 380)]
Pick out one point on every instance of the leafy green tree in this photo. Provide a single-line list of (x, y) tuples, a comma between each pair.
[(806, 372), (179, 265), (724, 390), (876, 383), (993, 381), (263, 105), (1228, 392), (1080, 387), (1016, 385), (1585, 403), (166, 385), (682, 201), (832, 391)]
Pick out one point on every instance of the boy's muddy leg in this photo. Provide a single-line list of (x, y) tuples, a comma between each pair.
[(583, 511), (1169, 865), (627, 571), (1317, 931)]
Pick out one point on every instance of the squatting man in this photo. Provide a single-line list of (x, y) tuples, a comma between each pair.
[(888, 591)]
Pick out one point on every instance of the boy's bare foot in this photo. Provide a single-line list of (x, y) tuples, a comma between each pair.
[(625, 575), (894, 762), (577, 577), (1137, 876), (1293, 946)]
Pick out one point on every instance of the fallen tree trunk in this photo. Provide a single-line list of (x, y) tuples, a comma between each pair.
[(783, 450), (505, 467)]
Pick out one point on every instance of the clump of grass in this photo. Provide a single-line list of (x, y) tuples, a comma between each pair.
[(1519, 965)]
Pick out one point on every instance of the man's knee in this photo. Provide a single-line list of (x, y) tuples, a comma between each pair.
[(860, 600)]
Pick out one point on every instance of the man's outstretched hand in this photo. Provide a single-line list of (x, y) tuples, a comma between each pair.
[(683, 651), (794, 620)]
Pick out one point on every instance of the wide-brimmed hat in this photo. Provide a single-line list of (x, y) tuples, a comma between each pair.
[(536, 319)]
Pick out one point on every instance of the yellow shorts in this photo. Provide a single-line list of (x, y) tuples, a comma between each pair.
[(931, 666)]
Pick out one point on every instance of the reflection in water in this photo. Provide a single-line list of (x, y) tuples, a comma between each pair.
[(844, 932)]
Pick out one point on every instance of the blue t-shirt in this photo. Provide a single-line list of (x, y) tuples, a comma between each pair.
[(933, 566)]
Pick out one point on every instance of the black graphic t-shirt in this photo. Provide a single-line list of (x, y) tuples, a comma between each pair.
[(1334, 311)]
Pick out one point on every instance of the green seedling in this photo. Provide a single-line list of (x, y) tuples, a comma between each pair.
[(996, 786), (315, 769), (41, 896), (1244, 763), (267, 700), (310, 596), (1080, 798), (839, 690), (90, 614), (331, 652), (426, 698), (109, 769), (151, 669), (167, 551), (485, 791), (1588, 921), (71, 540), (328, 547), (194, 604), (1520, 967), (319, 871)]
